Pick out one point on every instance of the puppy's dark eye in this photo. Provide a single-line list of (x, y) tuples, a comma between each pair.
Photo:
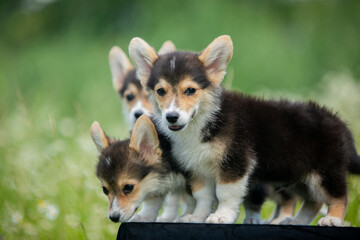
[(190, 91), (128, 188), (161, 92), (130, 97), (106, 192)]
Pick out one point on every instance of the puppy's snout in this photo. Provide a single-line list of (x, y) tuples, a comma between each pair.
[(114, 217), (138, 114), (172, 117)]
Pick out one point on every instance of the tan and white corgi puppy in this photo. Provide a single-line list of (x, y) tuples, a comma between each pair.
[(137, 170), (126, 83), (229, 141)]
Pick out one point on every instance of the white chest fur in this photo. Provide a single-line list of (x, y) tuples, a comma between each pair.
[(200, 158), (192, 154)]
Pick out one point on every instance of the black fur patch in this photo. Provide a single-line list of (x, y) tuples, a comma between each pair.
[(175, 66), (255, 197)]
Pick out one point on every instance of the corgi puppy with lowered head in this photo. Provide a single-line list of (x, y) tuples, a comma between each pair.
[(137, 170), (229, 141), (126, 83)]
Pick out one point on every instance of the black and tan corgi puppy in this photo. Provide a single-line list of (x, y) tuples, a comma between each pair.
[(126, 83), (229, 141), (137, 170)]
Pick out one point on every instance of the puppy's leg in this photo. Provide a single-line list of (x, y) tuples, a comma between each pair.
[(189, 207), (285, 210), (252, 216), (336, 212), (253, 203), (190, 203), (305, 215), (149, 210), (275, 214), (229, 195), (285, 207), (203, 193), (171, 207), (333, 186)]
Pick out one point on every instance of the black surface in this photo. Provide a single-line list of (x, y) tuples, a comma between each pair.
[(167, 231)]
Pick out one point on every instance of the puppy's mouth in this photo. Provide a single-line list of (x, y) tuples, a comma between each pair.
[(176, 127)]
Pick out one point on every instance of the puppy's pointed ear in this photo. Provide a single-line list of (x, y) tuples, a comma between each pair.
[(119, 66), (143, 57), (144, 140), (216, 58), (167, 47), (99, 137)]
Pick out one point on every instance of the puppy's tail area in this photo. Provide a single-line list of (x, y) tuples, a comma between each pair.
[(354, 165)]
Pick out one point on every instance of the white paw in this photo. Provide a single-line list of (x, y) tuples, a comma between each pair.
[(138, 218), (277, 220), (252, 217), (215, 218), (290, 221), (330, 221), (165, 219), (252, 220), (189, 218)]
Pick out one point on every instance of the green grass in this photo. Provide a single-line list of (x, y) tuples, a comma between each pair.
[(52, 87)]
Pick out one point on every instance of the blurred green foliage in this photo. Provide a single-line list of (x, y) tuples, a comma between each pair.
[(55, 80)]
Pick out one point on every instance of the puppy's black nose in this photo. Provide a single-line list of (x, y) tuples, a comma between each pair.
[(172, 117), (115, 217), (138, 114)]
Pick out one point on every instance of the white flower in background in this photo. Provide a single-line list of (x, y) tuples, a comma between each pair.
[(17, 217), (51, 211)]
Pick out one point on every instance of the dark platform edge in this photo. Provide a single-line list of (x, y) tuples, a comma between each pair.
[(144, 231)]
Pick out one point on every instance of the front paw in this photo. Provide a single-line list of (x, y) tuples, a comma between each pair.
[(215, 218), (139, 218), (290, 221), (189, 218), (330, 221), (252, 217), (252, 220)]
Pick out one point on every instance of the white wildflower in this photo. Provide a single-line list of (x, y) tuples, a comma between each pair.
[(52, 212), (17, 217)]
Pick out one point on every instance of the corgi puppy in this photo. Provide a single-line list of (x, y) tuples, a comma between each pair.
[(137, 170), (229, 142), (126, 83)]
